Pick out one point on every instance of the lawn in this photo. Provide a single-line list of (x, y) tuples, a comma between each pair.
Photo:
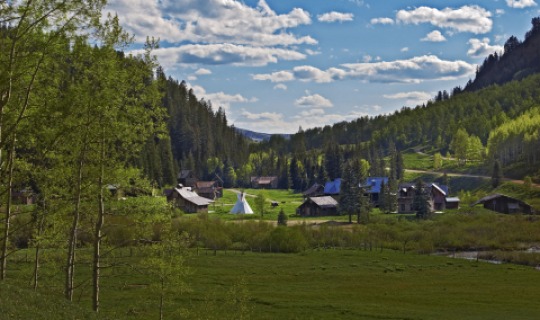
[(287, 200), (369, 285), (325, 284)]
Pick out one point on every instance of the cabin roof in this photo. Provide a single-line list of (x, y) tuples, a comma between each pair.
[(375, 184), (193, 197), (333, 187), (496, 196), (314, 188), (324, 202)]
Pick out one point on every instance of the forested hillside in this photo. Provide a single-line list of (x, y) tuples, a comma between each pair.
[(460, 124), (520, 59), (195, 133)]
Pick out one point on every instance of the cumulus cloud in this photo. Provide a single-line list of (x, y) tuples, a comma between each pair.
[(211, 21), (316, 101), (280, 76), (434, 36), (277, 123), (203, 72), (416, 69), (310, 73), (413, 97), (520, 4), (221, 99), (335, 16), (215, 31), (413, 70), (280, 86), (382, 21), (220, 54), (272, 116), (404, 49), (310, 113), (465, 19), (482, 48), (305, 118)]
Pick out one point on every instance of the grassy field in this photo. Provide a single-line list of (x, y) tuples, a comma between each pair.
[(325, 284), (424, 161), (287, 200)]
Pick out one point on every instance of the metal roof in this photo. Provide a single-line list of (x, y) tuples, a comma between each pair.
[(192, 197), (333, 187), (375, 184), (495, 196), (324, 202)]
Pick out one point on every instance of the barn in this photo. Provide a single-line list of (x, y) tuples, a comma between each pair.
[(504, 204), (318, 206)]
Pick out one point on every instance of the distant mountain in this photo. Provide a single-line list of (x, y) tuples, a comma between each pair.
[(258, 137)]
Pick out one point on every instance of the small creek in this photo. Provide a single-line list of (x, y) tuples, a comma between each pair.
[(476, 255)]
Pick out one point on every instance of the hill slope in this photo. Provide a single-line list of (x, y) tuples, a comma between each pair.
[(519, 60)]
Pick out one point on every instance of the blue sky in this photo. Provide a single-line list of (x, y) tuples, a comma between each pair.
[(277, 65)]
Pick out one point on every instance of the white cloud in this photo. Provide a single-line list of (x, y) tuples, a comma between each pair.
[(203, 72), (272, 116), (221, 99), (305, 118), (465, 19), (310, 73), (500, 12), (312, 52), (335, 16), (416, 69), (280, 76), (220, 54), (280, 86), (404, 49), (367, 58), (482, 48), (211, 21), (316, 101), (382, 21), (310, 113), (413, 97), (413, 70), (520, 4), (434, 36)]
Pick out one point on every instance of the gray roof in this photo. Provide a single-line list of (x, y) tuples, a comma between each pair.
[(314, 188), (495, 196), (324, 202), (192, 197)]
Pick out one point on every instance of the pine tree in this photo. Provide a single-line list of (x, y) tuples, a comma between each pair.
[(421, 201), (351, 192), (497, 174), (282, 218)]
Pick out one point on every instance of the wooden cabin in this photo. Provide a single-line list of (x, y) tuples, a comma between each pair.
[(188, 201), (264, 182), (504, 204), (318, 206)]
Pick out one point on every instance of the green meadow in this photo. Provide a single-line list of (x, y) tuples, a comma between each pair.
[(315, 284)]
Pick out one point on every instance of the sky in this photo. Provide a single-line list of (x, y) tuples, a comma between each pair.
[(276, 66)]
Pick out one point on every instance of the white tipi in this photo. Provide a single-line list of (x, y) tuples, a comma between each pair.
[(241, 206)]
